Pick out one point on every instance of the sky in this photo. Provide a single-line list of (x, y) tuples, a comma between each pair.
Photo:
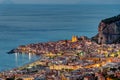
[(60, 1)]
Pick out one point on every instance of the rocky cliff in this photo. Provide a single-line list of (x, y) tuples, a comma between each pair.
[(108, 31)]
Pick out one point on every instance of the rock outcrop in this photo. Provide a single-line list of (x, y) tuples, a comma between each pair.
[(108, 31)]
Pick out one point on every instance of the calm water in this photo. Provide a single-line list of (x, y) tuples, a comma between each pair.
[(24, 24)]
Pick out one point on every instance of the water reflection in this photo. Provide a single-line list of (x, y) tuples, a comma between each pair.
[(29, 56), (16, 59)]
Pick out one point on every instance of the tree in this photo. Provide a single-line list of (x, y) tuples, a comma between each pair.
[(19, 79), (119, 68), (113, 69)]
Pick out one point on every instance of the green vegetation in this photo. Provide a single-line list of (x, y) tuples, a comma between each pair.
[(112, 19)]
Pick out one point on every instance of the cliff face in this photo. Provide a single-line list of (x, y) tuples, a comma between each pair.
[(108, 31)]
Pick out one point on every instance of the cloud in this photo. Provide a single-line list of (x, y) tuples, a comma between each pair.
[(100, 1), (61, 1), (47, 1), (7, 2)]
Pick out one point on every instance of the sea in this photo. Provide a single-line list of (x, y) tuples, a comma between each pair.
[(22, 24)]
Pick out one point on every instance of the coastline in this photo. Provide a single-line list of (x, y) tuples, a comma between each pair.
[(79, 56), (88, 55)]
